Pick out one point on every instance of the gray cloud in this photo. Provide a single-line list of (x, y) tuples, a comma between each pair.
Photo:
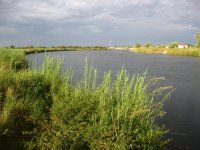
[(88, 22)]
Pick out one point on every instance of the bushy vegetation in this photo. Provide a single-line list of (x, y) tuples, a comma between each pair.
[(45, 109), (137, 45), (148, 45), (197, 40), (173, 45)]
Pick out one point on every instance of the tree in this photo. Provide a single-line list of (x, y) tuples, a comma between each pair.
[(198, 39), (12, 46), (160, 46), (137, 45), (173, 45), (148, 44), (29, 47)]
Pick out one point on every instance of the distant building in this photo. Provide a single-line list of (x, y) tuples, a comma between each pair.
[(183, 45)]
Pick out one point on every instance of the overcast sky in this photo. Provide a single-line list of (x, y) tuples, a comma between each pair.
[(95, 22)]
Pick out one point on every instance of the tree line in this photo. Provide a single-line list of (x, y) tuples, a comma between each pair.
[(173, 44)]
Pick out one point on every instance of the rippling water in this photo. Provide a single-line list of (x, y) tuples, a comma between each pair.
[(183, 73)]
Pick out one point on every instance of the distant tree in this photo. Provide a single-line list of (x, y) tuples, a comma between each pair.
[(160, 46), (61, 46), (148, 44), (173, 45), (41, 47), (192, 46), (30, 46), (198, 40), (137, 45), (12, 46)]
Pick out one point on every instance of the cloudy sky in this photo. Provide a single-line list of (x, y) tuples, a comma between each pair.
[(95, 22)]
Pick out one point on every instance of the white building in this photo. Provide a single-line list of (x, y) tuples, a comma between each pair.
[(183, 45)]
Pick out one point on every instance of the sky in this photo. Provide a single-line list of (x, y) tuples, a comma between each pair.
[(96, 22)]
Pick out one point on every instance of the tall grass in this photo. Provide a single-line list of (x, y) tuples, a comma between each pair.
[(44, 109), (32, 50), (12, 59), (194, 52)]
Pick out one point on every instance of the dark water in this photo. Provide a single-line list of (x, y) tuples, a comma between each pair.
[(183, 73)]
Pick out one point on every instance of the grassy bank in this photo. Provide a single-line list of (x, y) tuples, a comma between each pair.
[(31, 50), (195, 52), (12, 59), (43, 109)]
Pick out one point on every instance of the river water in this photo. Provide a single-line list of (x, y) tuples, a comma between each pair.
[(183, 73)]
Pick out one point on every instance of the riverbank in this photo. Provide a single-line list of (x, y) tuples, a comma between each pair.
[(28, 50), (44, 109), (70, 48), (194, 52)]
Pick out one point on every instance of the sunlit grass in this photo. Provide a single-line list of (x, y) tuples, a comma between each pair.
[(195, 52), (32, 50), (12, 59), (44, 109)]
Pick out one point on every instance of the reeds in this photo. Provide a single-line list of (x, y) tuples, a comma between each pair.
[(45, 109), (32, 50), (194, 52), (12, 59)]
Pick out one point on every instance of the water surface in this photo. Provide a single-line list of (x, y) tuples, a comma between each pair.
[(183, 73)]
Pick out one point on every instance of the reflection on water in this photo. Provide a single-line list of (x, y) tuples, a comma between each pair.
[(183, 73)]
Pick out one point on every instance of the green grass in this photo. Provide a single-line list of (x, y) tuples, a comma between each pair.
[(12, 59), (44, 109), (31, 50), (194, 52)]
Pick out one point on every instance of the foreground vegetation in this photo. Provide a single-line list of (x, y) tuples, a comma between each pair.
[(45, 109), (195, 52)]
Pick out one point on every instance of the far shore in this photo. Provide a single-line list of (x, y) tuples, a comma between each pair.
[(194, 52)]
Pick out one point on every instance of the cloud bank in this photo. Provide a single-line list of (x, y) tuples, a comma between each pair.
[(95, 22)]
